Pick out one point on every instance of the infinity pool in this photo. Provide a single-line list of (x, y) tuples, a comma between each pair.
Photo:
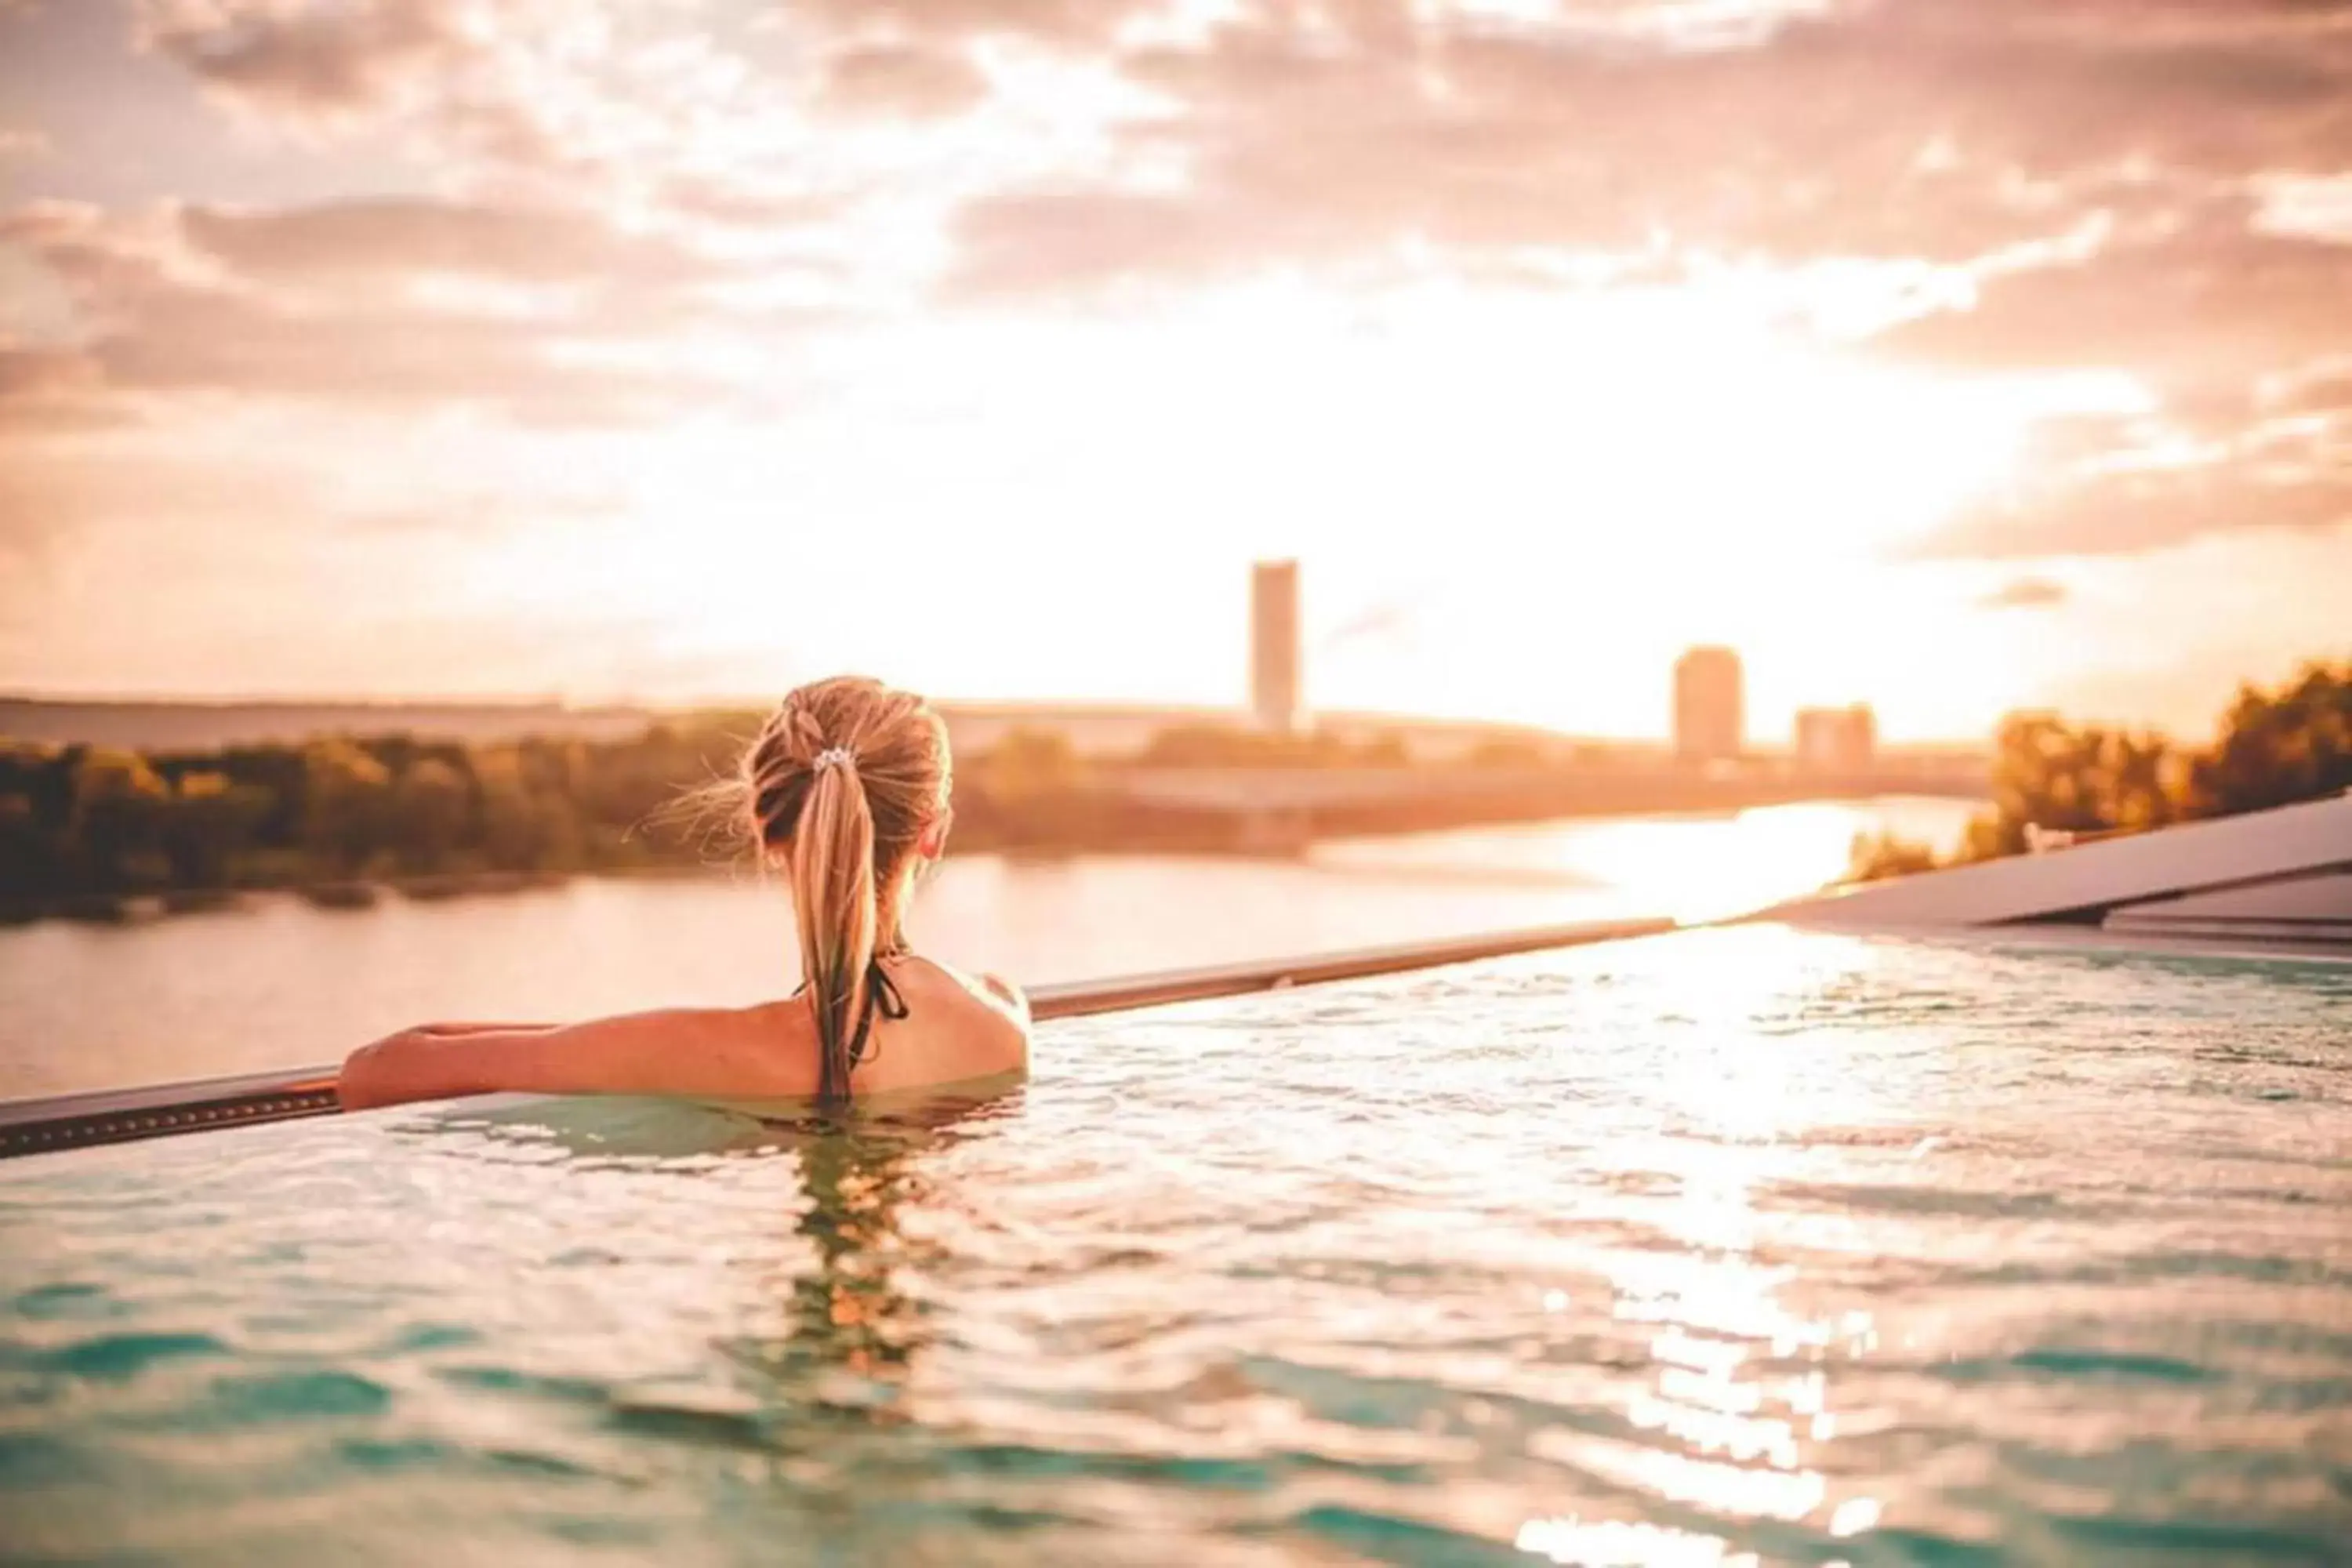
[(1743, 1245)]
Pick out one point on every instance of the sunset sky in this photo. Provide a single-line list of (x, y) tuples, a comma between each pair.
[(1951, 355)]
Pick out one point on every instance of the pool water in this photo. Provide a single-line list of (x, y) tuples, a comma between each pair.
[(1732, 1246)]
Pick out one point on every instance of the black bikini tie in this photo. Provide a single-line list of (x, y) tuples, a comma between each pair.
[(881, 995)]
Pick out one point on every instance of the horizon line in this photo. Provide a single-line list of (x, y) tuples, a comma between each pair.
[(1078, 707)]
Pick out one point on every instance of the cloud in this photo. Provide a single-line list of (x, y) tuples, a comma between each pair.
[(2099, 184), (1066, 23), (902, 82), (55, 390), (2270, 453), (572, 98), (1329, 133), (1943, 128), (2323, 388), (532, 123), (158, 320), (199, 343), (2296, 478), (735, 201), (410, 237), (2209, 298), (2026, 593), (318, 63), (1073, 241)]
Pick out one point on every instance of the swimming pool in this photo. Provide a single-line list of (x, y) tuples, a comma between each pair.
[(1738, 1243)]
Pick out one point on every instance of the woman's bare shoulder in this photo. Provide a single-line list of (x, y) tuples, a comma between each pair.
[(996, 1015)]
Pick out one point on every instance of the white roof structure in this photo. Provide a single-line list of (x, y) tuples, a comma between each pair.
[(2281, 877)]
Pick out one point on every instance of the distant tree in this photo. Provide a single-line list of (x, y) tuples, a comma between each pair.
[(28, 859), (346, 798), (89, 820), (431, 809), (116, 828), (1874, 857), (278, 771), (35, 804), (210, 822), (2274, 748), (629, 791), (553, 767), (521, 829), (2277, 747), (400, 751), (2051, 775), (41, 775)]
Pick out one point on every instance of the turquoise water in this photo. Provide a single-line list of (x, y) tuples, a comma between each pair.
[(1745, 1244)]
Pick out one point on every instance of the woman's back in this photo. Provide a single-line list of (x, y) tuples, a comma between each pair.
[(940, 1027)]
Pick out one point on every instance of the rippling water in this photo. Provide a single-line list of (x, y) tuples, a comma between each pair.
[(1735, 1245)]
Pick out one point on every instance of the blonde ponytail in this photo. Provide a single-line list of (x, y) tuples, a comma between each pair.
[(834, 907)]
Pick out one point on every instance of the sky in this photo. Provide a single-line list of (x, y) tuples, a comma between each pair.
[(1950, 355)]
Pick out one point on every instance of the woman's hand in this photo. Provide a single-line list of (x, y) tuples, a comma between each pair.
[(371, 1075)]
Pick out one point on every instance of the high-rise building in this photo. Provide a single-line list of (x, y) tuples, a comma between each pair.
[(1275, 656), (1710, 706), (1836, 740)]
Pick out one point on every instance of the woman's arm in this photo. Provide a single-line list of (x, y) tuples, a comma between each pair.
[(714, 1052)]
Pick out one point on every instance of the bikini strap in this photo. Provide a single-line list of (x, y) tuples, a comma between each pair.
[(881, 995)]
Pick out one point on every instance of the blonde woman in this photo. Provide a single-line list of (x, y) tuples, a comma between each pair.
[(846, 788)]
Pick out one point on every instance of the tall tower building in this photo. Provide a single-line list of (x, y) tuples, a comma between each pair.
[(1710, 706), (1274, 658)]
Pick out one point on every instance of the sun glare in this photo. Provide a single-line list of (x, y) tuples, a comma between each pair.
[(1598, 479)]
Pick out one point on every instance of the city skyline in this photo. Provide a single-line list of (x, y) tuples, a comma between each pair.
[(477, 347)]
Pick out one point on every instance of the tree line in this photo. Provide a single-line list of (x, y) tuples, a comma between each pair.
[(85, 827), (2274, 747)]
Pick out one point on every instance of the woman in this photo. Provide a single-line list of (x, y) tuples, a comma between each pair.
[(846, 786)]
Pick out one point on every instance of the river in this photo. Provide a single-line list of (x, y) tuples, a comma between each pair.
[(278, 983)]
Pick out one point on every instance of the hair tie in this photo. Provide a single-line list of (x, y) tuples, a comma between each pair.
[(833, 757)]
